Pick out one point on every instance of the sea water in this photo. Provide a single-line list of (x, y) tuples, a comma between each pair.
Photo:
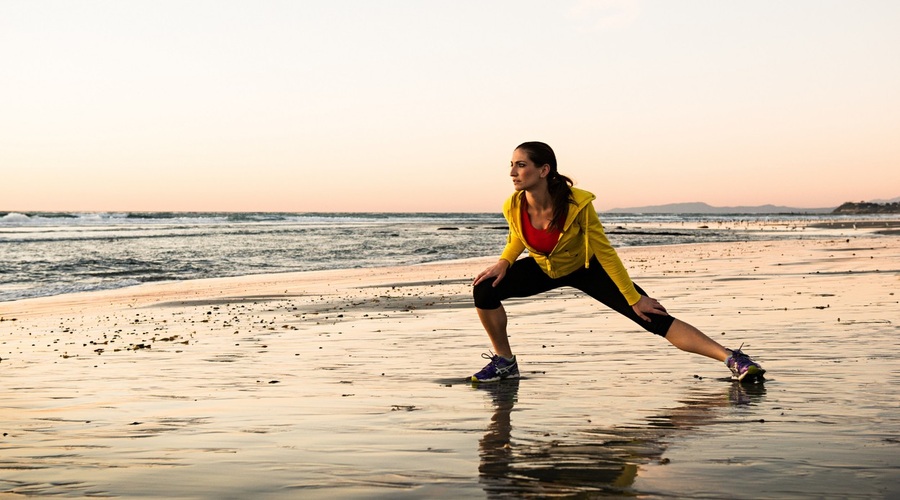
[(45, 254)]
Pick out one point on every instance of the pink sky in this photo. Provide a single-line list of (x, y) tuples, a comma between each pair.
[(416, 106)]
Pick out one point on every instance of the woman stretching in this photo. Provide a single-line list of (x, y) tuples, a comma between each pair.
[(558, 225)]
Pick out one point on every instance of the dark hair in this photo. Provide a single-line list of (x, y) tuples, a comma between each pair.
[(558, 184)]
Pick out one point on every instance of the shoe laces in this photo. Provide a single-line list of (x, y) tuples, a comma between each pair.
[(495, 359), (492, 366), (738, 357)]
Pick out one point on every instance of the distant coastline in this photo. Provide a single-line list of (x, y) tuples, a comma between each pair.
[(849, 208), (703, 208)]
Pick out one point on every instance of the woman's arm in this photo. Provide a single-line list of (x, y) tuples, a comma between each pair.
[(497, 271), (513, 249), (514, 245), (607, 256)]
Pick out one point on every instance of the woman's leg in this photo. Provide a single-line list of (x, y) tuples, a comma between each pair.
[(595, 282), (688, 338), (523, 279), (494, 323)]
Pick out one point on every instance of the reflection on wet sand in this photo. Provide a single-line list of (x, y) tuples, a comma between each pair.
[(591, 461)]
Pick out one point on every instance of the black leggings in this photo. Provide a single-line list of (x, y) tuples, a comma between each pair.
[(525, 279)]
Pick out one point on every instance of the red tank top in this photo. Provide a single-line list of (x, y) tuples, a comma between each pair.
[(541, 240)]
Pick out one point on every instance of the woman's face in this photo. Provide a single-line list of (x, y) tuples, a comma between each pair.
[(525, 174)]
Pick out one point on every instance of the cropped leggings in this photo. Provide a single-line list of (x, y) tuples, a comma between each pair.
[(526, 278)]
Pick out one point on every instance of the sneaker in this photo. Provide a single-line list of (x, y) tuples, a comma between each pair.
[(742, 366), (498, 369)]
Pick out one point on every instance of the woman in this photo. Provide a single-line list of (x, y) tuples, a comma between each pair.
[(558, 225)]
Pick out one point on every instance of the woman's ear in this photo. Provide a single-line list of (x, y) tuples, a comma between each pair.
[(545, 170)]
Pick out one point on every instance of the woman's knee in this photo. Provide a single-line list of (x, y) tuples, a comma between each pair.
[(485, 295), (659, 324)]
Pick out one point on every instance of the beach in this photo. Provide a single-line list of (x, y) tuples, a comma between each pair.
[(351, 383)]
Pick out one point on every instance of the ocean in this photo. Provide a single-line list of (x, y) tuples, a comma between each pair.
[(43, 254)]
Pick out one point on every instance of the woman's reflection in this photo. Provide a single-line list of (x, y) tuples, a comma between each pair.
[(606, 462)]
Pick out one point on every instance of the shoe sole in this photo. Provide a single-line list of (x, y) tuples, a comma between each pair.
[(753, 373), (495, 379)]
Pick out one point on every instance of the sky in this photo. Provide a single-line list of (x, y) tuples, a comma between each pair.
[(417, 105)]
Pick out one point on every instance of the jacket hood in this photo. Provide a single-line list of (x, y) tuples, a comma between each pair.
[(580, 198)]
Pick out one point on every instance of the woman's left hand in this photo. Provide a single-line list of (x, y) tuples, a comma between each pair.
[(650, 306)]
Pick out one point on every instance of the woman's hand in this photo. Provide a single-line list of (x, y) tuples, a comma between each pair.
[(498, 270), (648, 305)]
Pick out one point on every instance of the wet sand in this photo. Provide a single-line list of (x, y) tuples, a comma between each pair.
[(351, 384)]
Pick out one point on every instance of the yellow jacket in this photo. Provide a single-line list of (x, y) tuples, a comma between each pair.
[(582, 238)]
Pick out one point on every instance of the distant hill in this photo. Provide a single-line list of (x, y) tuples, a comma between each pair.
[(703, 208)]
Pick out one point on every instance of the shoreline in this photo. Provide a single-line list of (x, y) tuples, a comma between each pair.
[(225, 287), (820, 230)]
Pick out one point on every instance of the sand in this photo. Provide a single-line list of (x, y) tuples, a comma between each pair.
[(351, 384)]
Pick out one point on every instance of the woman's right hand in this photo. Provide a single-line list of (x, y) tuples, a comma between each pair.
[(497, 271)]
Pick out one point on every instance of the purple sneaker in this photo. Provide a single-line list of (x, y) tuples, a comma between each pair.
[(742, 366), (498, 369)]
